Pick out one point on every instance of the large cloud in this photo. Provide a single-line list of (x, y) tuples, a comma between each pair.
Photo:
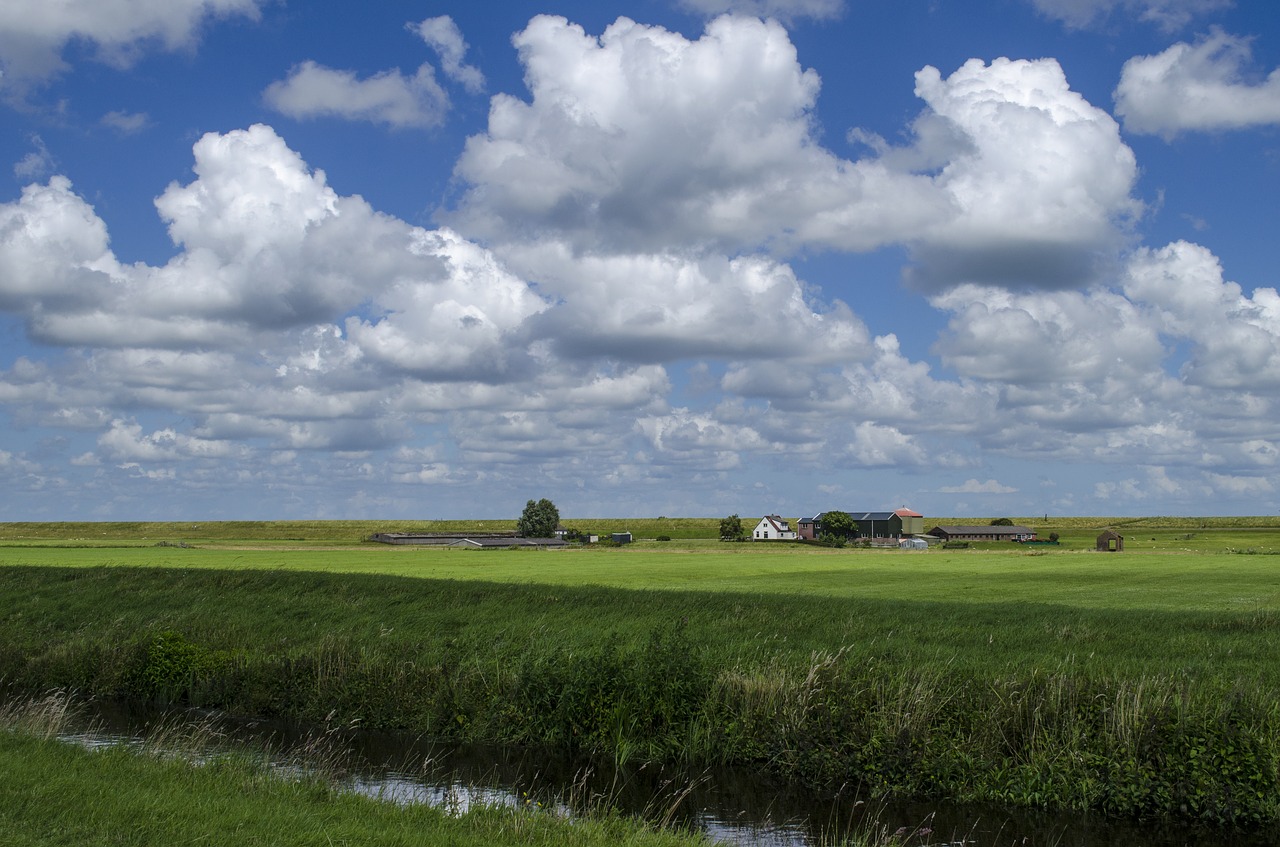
[(642, 141), (303, 319), (1196, 87), (33, 32), (1038, 178), (266, 245), (1179, 367), (663, 307), (1236, 338)]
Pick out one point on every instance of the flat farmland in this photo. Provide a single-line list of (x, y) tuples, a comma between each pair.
[(1131, 683)]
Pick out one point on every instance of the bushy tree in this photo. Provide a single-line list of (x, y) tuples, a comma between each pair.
[(1002, 522), (838, 527), (731, 529), (539, 520)]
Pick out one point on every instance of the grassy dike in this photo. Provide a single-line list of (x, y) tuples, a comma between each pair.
[(52, 793), (1142, 688)]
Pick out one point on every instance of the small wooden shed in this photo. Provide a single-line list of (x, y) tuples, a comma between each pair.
[(1110, 542)]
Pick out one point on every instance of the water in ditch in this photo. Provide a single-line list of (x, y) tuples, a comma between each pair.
[(734, 806)]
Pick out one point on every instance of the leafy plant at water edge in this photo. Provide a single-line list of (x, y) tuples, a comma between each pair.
[(167, 666)]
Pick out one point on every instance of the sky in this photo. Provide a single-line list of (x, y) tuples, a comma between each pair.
[(273, 259)]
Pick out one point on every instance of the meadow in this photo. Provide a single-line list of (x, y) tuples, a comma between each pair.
[(1135, 684)]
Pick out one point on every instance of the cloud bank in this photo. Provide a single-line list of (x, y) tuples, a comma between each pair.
[(613, 304)]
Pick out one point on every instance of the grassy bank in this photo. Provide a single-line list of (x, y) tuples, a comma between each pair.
[(54, 793), (1129, 684)]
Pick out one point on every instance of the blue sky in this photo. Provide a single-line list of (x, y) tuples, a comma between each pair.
[(264, 259)]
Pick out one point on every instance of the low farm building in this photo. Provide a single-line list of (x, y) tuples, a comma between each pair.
[(464, 539), (983, 533)]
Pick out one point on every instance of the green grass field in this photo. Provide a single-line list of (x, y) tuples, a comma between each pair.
[(1140, 682)]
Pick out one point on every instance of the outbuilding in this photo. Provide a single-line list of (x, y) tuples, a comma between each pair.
[(983, 533), (1110, 542)]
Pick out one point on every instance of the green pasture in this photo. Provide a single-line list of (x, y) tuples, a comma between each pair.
[(1166, 609), (1227, 572)]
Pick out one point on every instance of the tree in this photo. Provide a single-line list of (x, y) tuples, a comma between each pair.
[(731, 529), (539, 520), (1002, 522), (838, 527)]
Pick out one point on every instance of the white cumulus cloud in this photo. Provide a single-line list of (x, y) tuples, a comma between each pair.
[(442, 35), (314, 91), (34, 32), (641, 140), (1196, 87)]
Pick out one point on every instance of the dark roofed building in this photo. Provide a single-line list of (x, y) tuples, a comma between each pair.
[(871, 524), (983, 533)]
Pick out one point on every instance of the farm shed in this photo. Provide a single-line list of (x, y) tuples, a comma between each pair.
[(464, 539), (983, 533), (1110, 541)]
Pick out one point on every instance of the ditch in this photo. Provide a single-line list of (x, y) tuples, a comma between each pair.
[(731, 805)]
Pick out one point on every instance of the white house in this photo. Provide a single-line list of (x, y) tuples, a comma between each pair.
[(773, 528)]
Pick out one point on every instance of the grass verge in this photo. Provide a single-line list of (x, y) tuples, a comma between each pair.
[(54, 793)]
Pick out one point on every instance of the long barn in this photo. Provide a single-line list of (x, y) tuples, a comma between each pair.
[(983, 533)]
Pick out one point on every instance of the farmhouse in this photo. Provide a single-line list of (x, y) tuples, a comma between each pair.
[(773, 528), (872, 524), (983, 533)]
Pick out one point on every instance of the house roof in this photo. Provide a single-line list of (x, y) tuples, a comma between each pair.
[(871, 516), (907, 513), (859, 516)]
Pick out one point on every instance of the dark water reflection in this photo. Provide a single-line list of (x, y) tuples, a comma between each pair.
[(738, 806)]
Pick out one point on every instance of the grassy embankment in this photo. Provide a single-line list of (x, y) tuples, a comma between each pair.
[(1132, 684), (52, 793)]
